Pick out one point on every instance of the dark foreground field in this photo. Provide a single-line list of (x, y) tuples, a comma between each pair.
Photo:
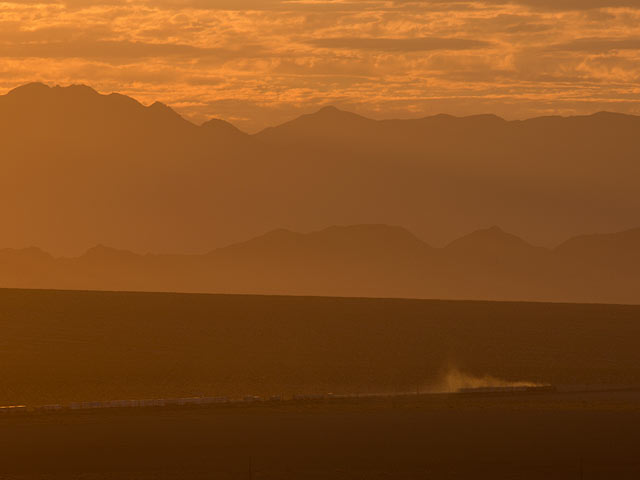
[(554, 436), (60, 347)]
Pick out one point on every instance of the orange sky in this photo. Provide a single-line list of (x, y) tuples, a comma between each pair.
[(260, 62)]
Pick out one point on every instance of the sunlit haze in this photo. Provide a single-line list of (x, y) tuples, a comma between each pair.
[(319, 239)]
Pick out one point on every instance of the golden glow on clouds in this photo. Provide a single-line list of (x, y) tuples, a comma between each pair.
[(259, 62)]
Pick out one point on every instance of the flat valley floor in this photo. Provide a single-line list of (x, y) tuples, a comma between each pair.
[(62, 347), (523, 436)]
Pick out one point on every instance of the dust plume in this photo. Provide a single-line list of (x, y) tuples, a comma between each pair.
[(454, 380)]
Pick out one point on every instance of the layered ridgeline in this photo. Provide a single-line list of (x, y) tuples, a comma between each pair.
[(365, 260), (80, 168)]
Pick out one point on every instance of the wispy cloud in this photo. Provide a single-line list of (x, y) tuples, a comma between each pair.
[(598, 45), (420, 44)]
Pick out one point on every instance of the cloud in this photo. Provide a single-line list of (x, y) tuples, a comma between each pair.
[(123, 50), (598, 45), (341, 5), (100, 50), (420, 44), (548, 5), (575, 4)]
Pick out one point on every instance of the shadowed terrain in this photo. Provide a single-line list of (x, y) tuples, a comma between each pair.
[(59, 347), (67, 346), (588, 436)]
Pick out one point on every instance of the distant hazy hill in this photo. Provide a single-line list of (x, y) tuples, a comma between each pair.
[(80, 168), (362, 260)]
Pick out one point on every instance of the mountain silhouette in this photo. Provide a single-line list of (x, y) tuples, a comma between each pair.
[(358, 260), (329, 123), (352, 238), (599, 263), (81, 168), (222, 129), (81, 111), (492, 240), (624, 244)]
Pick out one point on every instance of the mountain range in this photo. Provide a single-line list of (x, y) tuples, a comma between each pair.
[(359, 260), (80, 168)]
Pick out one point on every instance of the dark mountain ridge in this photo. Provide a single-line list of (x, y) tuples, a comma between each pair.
[(85, 111)]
